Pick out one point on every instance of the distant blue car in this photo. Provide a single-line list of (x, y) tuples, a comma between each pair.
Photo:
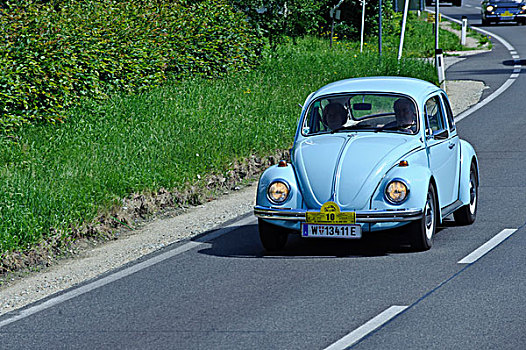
[(370, 154), (503, 11)]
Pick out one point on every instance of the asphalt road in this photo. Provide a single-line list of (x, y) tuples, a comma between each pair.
[(226, 293)]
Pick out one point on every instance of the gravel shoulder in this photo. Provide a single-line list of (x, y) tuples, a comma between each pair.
[(95, 259)]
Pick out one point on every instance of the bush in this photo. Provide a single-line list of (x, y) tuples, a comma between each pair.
[(275, 19), (350, 23), (54, 54)]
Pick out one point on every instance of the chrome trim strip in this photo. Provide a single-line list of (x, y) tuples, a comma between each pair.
[(362, 216), (451, 208)]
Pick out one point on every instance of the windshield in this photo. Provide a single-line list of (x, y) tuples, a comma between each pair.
[(355, 112)]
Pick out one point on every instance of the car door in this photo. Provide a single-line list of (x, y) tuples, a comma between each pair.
[(443, 150), (454, 143)]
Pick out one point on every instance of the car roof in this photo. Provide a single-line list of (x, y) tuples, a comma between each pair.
[(416, 88)]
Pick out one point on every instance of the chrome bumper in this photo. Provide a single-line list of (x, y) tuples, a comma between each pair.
[(362, 216)]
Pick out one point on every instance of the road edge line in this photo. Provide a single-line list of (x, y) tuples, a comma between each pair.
[(117, 275)]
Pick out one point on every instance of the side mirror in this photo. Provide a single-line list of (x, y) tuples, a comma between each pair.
[(441, 135)]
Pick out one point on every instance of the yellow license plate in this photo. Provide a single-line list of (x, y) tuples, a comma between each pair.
[(330, 214), (507, 14)]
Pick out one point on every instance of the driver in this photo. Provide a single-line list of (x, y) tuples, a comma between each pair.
[(405, 114), (334, 115)]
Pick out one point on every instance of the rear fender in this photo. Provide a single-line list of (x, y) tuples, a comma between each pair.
[(467, 156)]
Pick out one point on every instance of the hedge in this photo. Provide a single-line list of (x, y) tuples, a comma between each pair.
[(52, 56)]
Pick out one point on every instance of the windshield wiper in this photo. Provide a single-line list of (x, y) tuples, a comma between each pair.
[(397, 127)]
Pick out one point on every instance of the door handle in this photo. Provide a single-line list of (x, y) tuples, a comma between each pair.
[(451, 145)]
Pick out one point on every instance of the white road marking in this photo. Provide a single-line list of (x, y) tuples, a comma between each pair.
[(478, 7), (126, 272), (367, 328), (487, 100), (488, 246)]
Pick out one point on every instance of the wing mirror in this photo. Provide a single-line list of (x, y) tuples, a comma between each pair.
[(441, 135)]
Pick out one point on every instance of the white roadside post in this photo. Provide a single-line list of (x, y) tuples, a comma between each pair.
[(464, 30), (404, 20), (363, 24), (440, 68)]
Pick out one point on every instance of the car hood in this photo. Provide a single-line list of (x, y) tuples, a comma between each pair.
[(346, 168)]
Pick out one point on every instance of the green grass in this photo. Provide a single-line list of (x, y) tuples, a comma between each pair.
[(419, 40), (63, 175)]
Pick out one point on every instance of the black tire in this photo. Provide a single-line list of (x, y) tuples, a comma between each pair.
[(485, 22), (467, 214), (428, 3), (457, 3), (273, 238), (423, 230)]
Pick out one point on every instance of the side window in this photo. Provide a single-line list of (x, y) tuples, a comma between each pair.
[(434, 117), (449, 113)]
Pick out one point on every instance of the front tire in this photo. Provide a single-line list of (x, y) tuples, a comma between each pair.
[(467, 214), (423, 230), (273, 238)]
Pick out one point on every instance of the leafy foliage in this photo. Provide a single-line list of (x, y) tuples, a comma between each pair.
[(276, 19), (54, 53), (350, 23)]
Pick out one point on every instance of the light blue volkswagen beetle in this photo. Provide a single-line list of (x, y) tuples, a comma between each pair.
[(370, 154)]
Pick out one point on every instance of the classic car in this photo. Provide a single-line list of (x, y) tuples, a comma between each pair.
[(503, 11), (370, 154)]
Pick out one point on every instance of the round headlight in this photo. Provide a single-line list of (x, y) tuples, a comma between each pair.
[(278, 192), (396, 191), (523, 7), (489, 8)]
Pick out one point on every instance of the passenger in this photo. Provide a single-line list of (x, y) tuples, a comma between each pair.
[(334, 116), (405, 114)]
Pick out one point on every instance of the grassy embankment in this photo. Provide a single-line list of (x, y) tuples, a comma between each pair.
[(57, 177)]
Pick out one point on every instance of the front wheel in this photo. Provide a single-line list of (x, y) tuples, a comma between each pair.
[(273, 238), (423, 230), (467, 214)]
